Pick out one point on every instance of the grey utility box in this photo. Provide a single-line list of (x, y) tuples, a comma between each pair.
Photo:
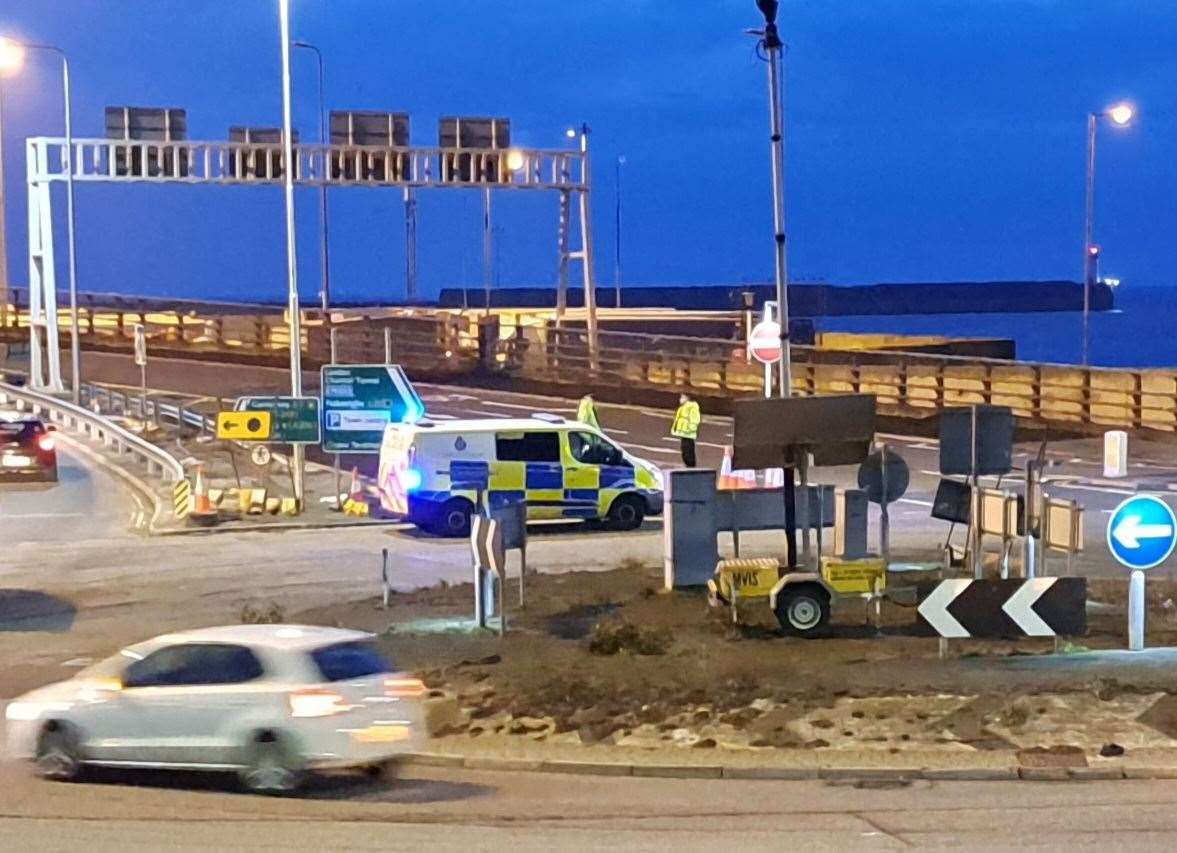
[(689, 527), (850, 520)]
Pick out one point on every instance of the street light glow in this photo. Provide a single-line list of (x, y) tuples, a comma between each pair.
[(1121, 114), (12, 55), (514, 159), (570, 133)]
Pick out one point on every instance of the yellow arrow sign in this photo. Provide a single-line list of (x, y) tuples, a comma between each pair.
[(243, 426)]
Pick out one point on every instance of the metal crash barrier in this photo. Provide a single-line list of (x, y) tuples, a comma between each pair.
[(157, 460)]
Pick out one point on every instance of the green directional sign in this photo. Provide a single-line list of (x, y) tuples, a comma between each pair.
[(293, 420), (360, 400)]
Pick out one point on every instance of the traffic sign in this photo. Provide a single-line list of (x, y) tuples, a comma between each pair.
[(360, 400), (293, 420), (243, 426), (884, 475), (1142, 531), (1038, 607), (140, 345), (764, 342)]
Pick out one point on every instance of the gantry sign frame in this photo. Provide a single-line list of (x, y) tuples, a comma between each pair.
[(123, 161)]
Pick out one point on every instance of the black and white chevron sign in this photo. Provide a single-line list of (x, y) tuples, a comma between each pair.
[(1007, 609)]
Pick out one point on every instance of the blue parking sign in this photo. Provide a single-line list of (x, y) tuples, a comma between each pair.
[(1142, 532)]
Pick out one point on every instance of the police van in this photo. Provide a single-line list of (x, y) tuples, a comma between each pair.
[(434, 473)]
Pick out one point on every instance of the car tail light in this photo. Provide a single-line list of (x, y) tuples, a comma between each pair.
[(404, 688), (316, 703), (45, 442)]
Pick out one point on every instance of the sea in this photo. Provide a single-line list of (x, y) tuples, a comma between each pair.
[(1140, 332)]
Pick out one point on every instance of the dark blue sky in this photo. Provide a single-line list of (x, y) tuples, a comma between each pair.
[(927, 139)]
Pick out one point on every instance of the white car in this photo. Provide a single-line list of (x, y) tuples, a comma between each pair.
[(271, 702)]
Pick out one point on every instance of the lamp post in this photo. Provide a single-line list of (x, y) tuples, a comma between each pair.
[(325, 288), (1120, 115), (11, 56), (586, 256), (297, 461), (772, 44), (617, 244)]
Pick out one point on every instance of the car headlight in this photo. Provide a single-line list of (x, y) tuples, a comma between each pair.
[(22, 711)]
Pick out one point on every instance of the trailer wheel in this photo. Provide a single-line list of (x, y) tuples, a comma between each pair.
[(803, 610)]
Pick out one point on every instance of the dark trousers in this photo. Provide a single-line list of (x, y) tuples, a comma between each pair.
[(688, 452)]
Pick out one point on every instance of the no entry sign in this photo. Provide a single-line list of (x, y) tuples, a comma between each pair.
[(764, 343)]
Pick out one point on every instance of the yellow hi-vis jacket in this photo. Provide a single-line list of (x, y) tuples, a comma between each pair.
[(586, 413), (686, 421)]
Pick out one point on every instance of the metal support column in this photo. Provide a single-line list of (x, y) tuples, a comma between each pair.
[(586, 251), (562, 243), (44, 345), (410, 245), (487, 248)]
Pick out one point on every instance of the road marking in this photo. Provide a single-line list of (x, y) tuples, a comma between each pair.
[(664, 450), (525, 408), (698, 442), (44, 515), (1101, 489), (916, 501), (437, 416)]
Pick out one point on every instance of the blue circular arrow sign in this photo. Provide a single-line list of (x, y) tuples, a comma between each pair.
[(1142, 532)]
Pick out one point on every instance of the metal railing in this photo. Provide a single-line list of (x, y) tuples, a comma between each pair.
[(124, 442), (441, 343)]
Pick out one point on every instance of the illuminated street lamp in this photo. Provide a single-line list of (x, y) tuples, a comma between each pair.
[(514, 160), (12, 53), (1120, 115)]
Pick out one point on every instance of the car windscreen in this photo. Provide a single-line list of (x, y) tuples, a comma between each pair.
[(344, 661)]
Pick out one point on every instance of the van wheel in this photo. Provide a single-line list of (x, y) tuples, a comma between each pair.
[(626, 512), (803, 610), (453, 519), (59, 753)]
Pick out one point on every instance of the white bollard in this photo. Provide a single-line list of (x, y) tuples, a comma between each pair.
[(1136, 606), (1115, 453)]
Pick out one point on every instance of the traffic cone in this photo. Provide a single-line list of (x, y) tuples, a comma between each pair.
[(202, 505), (726, 480), (355, 503), (203, 514)]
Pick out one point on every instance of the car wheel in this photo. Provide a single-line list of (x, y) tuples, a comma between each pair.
[(272, 765), (626, 513), (59, 753), (453, 519), (803, 610)]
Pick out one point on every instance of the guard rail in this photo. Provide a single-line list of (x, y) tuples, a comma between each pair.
[(157, 460), (439, 345)]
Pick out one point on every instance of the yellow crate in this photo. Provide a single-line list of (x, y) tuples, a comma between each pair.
[(849, 577)]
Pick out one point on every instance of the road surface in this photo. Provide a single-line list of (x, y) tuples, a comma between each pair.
[(86, 503), (447, 810)]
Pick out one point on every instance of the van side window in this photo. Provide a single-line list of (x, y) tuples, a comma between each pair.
[(593, 450), (528, 447)]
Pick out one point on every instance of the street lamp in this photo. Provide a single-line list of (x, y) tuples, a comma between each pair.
[(12, 57), (325, 289), (1120, 115), (12, 54), (297, 460), (771, 42)]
